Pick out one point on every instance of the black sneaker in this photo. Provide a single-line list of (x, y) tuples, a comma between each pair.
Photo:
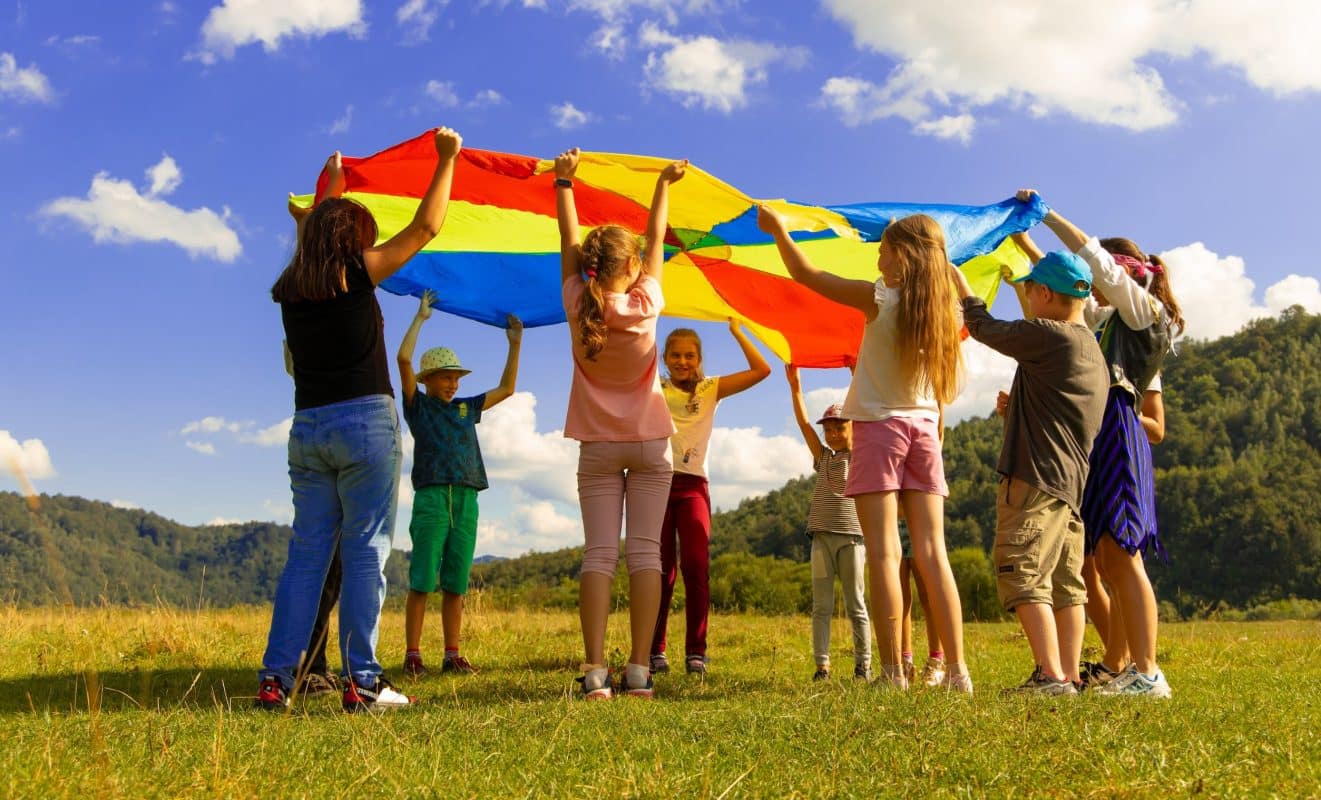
[(271, 695), (315, 684), (380, 697), (862, 672), (821, 674), (1040, 684), (457, 664), (1095, 674)]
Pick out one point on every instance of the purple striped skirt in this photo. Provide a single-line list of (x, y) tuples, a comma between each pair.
[(1119, 500)]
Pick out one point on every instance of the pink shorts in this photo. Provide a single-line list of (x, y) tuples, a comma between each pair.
[(899, 453)]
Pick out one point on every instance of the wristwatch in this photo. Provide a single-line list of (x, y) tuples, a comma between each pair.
[(565, 182)]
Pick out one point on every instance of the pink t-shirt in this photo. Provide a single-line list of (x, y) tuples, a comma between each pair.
[(617, 397)]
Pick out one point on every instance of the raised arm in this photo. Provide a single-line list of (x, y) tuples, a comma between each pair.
[(1034, 254), (1071, 235), (509, 378), (800, 413), (566, 164), (386, 258), (853, 293), (405, 358), (756, 372), (653, 261)]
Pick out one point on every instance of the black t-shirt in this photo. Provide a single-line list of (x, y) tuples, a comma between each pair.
[(338, 345)]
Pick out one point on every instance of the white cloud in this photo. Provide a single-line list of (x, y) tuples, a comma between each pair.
[(486, 97), (276, 435), (23, 83), (219, 521), (280, 512), (165, 176), (531, 524), (205, 448), (987, 373), (30, 456), (1216, 294), (543, 464), (12, 132), (948, 127), (442, 92), (115, 211), (213, 425), (742, 463), (1090, 61), (72, 41), (236, 23), (125, 504), (417, 17), (708, 72), (341, 124), (567, 116)]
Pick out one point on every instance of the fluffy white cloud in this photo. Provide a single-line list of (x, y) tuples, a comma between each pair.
[(115, 211), (417, 16), (28, 456), (124, 504), (342, 123), (1216, 294), (280, 512), (221, 521), (236, 23), (486, 97), (205, 448), (567, 116), (543, 464), (986, 374), (531, 524), (23, 83), (742, 462), (276, 435), (1083, 59), (442, 92), (708, 72), (212, 425)]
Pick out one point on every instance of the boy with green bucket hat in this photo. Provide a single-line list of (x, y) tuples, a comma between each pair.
[(447, 475)]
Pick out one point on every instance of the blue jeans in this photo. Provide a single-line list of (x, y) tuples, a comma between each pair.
[(344, 470)]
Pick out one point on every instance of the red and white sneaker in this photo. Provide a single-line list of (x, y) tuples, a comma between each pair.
[(380, 697), (271, 695)]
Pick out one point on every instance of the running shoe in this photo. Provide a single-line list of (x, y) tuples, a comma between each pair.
[(457, 664), (933, 672), (659, 663), (271, 695), (596, 684), (1039, 683), (1133, 683), (381, 696)]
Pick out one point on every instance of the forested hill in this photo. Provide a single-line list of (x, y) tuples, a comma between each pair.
[(113, 555), (1238, 480)]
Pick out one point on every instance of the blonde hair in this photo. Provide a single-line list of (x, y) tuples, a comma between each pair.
[(927, 327), (689, 386), (605, 251)]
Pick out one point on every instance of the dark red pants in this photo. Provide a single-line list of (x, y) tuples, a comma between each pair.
[(687, 520)]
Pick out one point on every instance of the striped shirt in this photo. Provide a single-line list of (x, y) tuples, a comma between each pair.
[(831, 511)]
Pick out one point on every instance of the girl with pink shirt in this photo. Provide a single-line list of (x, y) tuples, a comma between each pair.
[(612, 298)]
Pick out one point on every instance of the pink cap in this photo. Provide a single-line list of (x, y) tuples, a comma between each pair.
[(833, 411)]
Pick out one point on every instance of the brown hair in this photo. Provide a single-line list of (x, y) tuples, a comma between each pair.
[(333, 236), (1159, 285), (605, 252), (687, 333), (927, 328)]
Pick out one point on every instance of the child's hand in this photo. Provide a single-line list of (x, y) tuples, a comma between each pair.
[(1001, 404), (424, 306), (296, 211), (733, 327), (566, 163), (515, 329), (791, 374), (674, 171), (448, 143), (1025, 195), (769, 220), (335, 175), (1007, 273)]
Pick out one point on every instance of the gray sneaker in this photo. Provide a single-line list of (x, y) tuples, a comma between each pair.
[(1040, 684)]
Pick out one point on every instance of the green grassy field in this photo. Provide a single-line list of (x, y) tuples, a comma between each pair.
[(157, 702)]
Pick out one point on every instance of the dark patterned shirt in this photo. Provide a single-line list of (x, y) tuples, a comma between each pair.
[(445, 449)]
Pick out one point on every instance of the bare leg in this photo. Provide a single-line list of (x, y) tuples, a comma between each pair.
[(926, 525), (906, 593), (1137, 602), (644, 591), (1116, 655), (451, 617), (593, 609), (1038, 623), (1098, 599), (415, 609), (1070, 624), (878, 513), (933, 638)]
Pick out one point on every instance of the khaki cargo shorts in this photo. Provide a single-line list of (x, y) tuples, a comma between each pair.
[(1038, 548)]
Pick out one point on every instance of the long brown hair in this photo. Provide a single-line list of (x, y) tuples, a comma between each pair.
[(927, 328), (1159, 285), (689, 386), (605, 252), (334, 236)]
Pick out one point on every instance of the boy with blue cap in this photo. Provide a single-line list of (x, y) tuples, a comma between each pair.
[(1054, 412)]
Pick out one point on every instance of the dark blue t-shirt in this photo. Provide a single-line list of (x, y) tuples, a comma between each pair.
[(445, 449)]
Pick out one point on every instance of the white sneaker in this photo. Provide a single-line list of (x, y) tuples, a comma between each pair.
[(892, 676), (958, 680), (1133, 683), (381, 697), (933, 673)]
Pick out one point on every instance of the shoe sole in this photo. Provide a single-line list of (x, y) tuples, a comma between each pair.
[(599, 694)]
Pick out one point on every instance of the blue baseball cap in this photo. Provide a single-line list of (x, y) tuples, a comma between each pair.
[(1063, 272)]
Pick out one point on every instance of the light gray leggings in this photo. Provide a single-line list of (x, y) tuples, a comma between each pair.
[(618, 478), (843, 555)]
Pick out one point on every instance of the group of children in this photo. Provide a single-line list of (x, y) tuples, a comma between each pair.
[(1075, 495)]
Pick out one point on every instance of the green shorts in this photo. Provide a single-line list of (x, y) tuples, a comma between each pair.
[(444, 534)]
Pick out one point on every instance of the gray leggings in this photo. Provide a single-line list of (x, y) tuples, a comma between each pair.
[(837, 554)]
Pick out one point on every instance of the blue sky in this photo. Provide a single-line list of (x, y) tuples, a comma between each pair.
[(147, 149)]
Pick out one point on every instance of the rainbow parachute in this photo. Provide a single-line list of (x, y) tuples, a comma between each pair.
[(498, 252)]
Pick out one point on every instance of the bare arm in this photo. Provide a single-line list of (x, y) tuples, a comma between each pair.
[(854, 293), (756, 372), (509, 378), (654, 259), (1071, 235), (800, 414), (385, 259), (566, 211), (1153, 416), (407, 378), (1034, 254)]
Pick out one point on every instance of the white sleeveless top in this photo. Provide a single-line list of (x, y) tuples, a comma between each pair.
[(878, 390), (694, 417)]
